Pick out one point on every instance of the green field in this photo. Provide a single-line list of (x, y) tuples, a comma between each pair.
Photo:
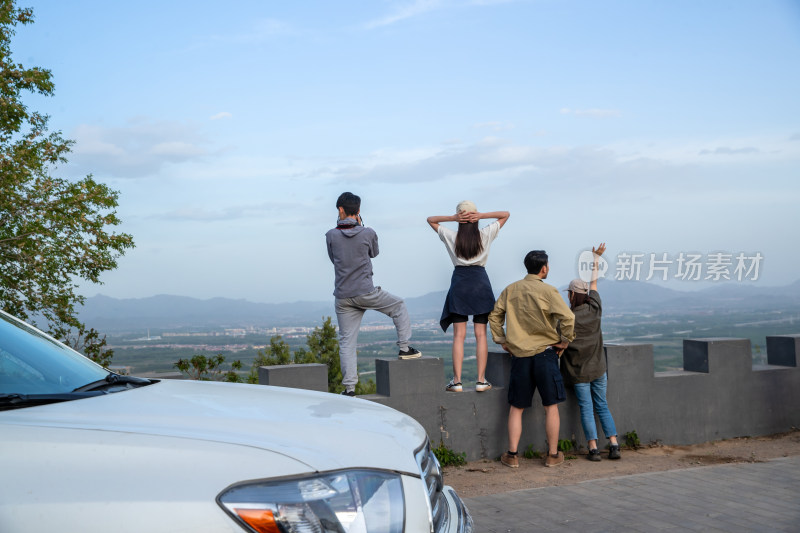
[(664, 331)]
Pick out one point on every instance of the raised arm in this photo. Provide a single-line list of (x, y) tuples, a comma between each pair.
[(471, 216), (436, 220), (596, 253), (501, 216)]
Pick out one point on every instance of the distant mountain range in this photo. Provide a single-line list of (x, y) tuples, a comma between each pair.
[(164, 312)]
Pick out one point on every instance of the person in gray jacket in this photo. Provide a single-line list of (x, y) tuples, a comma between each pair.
[(351, 247)]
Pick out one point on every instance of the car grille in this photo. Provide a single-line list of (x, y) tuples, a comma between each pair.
[(432, 477)]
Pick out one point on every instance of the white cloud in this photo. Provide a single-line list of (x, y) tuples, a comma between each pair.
[(94, 146), (492, 156), (724, 150), (418, 7), (495, 125), (234, 212), (259, 31), (270, 27), (140, 148), (499, 161), (177, 149), (221, 115), (592, 113), (490, 2)]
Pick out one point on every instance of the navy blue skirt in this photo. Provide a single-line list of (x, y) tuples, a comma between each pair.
[(470, 294)]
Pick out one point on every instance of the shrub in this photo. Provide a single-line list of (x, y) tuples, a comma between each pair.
[(530, 453), (448, 457), (566, 445), (632, 440)]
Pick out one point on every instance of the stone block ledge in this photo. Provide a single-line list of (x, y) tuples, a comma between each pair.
[(718, 395)]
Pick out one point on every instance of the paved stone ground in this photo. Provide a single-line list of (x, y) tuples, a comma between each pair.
[(763, 497)]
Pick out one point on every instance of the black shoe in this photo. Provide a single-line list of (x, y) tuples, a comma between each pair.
[(613, 452), (348, 393), (594, 455), (411, 353)]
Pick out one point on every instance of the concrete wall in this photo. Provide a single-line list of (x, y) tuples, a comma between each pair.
[(309, 377), (718, 395)]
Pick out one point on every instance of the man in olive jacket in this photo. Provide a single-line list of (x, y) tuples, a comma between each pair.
[(538, 327)]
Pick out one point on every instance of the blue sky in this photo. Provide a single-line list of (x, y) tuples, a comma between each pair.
[(659, 127)]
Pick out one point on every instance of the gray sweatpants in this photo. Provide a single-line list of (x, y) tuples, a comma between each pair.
[(350, 311)]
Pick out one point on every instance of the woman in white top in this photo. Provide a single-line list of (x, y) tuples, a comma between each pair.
[(470, 291)]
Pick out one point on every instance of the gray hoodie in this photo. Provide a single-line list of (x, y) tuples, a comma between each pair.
[(351, 249)]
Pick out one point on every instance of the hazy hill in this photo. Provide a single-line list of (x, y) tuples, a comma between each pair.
[(165, 312), (171, 312), (639, 296)]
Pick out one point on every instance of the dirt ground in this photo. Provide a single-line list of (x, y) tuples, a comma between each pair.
[(484, 477)]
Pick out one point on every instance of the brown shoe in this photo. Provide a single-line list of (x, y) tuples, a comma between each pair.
[(510, 460), (554, 460)]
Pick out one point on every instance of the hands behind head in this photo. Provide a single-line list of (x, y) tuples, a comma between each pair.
[(467, 216), (600, 249)]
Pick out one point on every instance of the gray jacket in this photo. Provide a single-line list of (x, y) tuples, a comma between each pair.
[(351, 249)]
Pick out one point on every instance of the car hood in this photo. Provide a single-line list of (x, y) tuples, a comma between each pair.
[(324, 431)]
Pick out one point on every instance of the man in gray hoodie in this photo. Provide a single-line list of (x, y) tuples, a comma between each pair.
[(351, 247)]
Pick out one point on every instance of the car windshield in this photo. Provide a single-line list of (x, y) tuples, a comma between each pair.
[(34, 363)]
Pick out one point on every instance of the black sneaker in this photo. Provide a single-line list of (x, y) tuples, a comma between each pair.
[(613, 452), (411, 353), (594, 455), (348, 393)]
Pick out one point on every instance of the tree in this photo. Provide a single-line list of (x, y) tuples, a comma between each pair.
[(323, 347), (204, 368), (277, 353), (53, 231)]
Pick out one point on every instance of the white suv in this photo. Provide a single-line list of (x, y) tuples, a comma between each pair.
[(83, 449)]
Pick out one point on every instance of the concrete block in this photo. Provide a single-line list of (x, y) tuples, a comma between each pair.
[(630, 363), (409, 377), (717, 396), (695, 356), (730, 356), (782, 350), (498, 368), (311, 376)]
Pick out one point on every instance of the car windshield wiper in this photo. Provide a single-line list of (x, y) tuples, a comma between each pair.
[(112, 379), (16, 400)]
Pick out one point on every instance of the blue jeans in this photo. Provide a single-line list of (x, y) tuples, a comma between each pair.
[(592, 399)]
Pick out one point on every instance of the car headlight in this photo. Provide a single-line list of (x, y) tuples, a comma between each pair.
[(351, 501)]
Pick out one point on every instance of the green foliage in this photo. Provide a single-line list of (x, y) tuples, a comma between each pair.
[(53, 231), (448, 457), (89, 343), (566, 445), (530, 453), (632, 440), (277, 353), (322, 347), (204, 368)]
